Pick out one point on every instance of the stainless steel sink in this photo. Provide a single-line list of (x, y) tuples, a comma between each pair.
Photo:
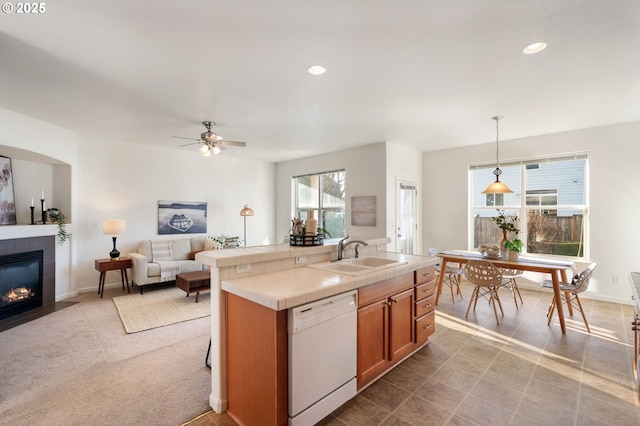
[(358, 266)]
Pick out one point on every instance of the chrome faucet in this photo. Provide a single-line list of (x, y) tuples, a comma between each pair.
[(342, 246)]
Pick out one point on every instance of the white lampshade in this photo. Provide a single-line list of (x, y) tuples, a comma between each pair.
[(114, 227)]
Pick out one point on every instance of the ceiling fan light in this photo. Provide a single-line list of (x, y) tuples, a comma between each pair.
[(205, 150), (216, 150)]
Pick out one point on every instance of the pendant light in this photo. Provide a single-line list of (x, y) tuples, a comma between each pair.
[(497, 187)]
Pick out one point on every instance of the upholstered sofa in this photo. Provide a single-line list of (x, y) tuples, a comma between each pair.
[(160, 261)]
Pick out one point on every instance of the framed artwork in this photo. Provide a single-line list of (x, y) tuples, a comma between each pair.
[(182, 217), (363, 211), (7, 201)]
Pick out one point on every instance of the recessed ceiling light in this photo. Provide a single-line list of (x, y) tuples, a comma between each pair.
[(536, 47), (316, 70)]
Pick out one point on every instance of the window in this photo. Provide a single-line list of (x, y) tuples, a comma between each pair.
[(494, 200), (322, 193), (549, 199)]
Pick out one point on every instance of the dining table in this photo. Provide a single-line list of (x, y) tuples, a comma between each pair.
[(556, 268)]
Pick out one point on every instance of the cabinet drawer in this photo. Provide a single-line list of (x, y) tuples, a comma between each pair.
[(425, 305), (383, 289), (424, 275), (425, 326), (425, 290)]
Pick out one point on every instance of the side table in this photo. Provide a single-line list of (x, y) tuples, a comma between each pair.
[(104, 265)]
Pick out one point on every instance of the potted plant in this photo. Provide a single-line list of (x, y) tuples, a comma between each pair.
[(56, 216), (514, 246), (506, 225)]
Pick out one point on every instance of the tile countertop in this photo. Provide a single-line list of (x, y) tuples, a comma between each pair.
[(635, 288), (293, 287), (238, 256)]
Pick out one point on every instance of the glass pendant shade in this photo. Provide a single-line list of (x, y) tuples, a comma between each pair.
[(497, 187)]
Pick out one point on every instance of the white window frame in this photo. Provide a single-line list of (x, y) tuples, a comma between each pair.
[(521, 208), (297, 210)]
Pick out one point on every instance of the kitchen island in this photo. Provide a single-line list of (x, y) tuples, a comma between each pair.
[(259, 285)]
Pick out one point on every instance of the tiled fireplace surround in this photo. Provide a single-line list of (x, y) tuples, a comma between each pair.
[(47, 245)]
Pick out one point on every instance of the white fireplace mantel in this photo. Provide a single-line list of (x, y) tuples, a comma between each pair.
[(9, 232)]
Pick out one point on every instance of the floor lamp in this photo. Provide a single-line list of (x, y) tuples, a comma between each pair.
[(246, 211)]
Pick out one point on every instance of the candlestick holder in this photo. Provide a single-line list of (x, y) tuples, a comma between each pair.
[(32, 208), (44, 213)]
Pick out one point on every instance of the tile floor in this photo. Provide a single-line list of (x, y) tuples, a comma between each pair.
[(520, 372)]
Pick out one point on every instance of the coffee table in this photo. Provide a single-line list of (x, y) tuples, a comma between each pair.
[(194, 282)]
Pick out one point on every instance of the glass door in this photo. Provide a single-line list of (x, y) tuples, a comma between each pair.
[(406, 212)]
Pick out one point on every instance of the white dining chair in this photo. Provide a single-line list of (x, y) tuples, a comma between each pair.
[(487, 278), (452, 279), (509, 282), (570, 292)]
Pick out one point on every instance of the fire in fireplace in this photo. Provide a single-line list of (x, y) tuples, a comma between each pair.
[(20, 282)]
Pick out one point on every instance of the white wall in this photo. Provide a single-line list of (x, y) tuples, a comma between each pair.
[(126, 181), (43, 158), (365, 168), (94, 180), (613, 205)]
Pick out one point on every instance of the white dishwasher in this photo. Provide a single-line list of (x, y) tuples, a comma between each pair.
[(322, 357)]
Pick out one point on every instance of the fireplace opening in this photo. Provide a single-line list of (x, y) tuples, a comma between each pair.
[(20, 283)]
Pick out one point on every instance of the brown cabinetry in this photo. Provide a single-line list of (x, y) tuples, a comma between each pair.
[(257, 363), (391, 324), (635, 327), (373, 340), (425, 304)]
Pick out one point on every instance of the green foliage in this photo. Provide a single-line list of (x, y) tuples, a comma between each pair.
[(56, 216), (324, 231), (514, 244), (505, 223)]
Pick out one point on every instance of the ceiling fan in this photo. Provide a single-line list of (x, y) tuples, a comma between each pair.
[(211, 142)]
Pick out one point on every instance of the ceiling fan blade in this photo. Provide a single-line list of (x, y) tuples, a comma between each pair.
[(182, 137), (232, 143), (187, 144)]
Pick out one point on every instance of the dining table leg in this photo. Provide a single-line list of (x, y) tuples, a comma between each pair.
[(558, 298), (440, 280), (567, 295)]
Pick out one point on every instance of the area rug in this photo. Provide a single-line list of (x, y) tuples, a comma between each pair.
[(159, 308)]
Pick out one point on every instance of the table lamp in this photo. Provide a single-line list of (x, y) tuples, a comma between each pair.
[(246, 211), (114, 227)]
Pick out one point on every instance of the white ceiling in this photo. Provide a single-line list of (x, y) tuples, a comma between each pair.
[(426, 74)]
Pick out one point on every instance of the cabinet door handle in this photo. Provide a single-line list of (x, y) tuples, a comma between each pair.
[(394, 300), (388, 302), (426, 327), (428, 305)]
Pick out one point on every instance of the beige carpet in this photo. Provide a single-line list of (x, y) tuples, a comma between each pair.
[(161, 307)]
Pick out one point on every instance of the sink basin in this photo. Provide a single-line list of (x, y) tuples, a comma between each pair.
[(375, 262), (342, 268), (358, 266)]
